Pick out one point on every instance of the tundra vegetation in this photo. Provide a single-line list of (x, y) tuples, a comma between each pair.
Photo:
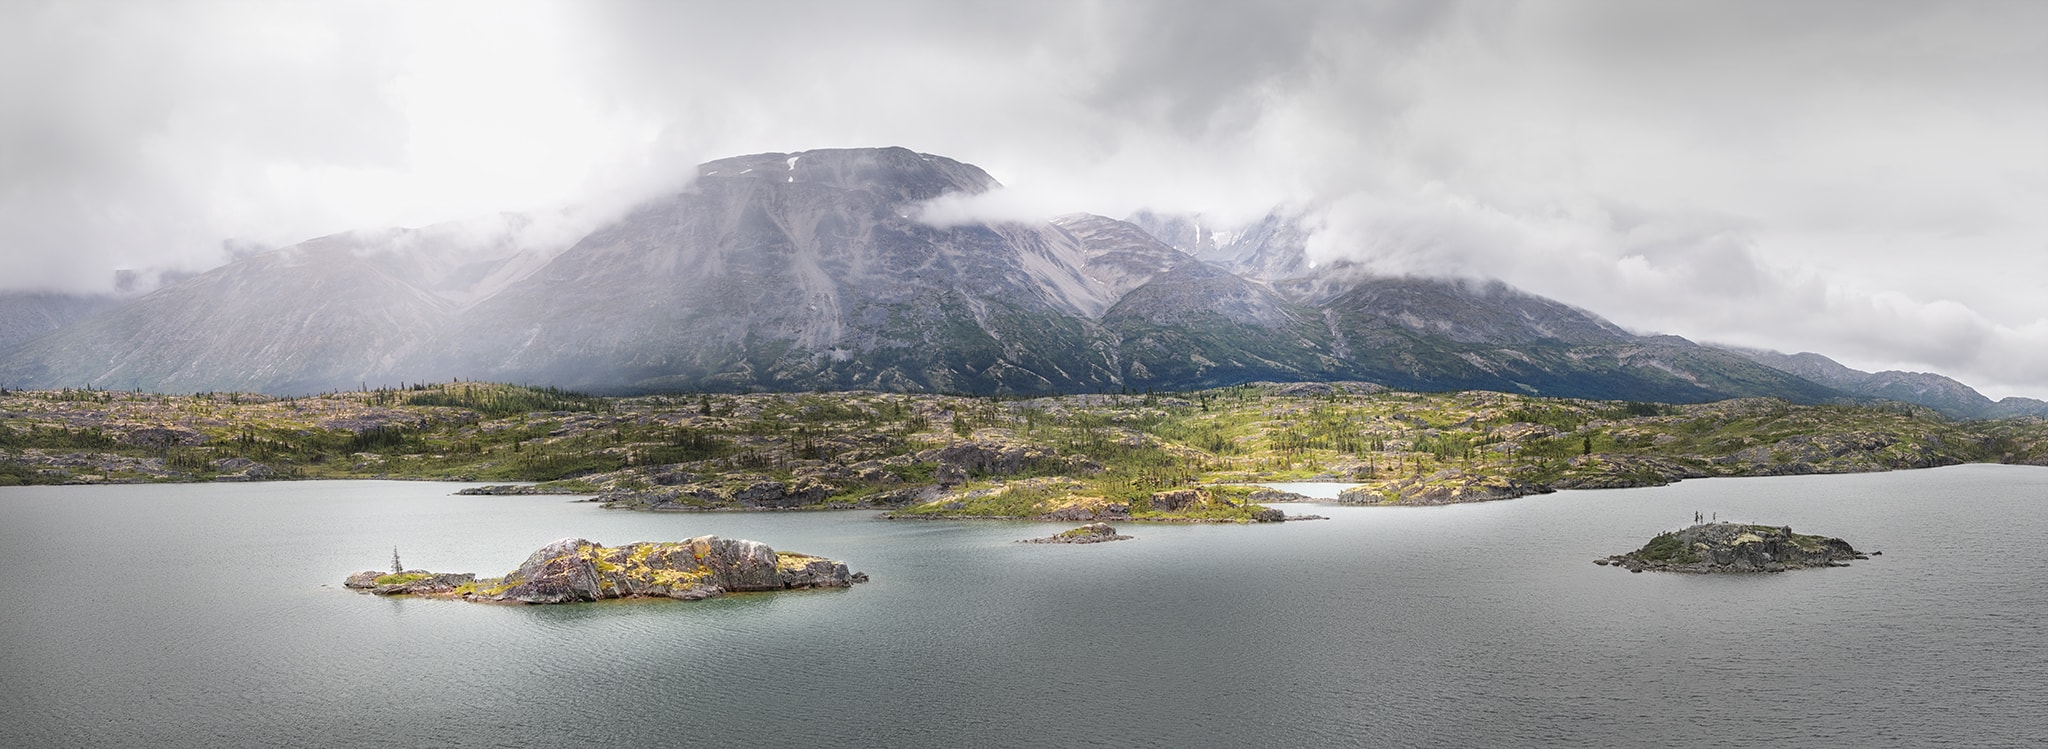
[(1180, 456)]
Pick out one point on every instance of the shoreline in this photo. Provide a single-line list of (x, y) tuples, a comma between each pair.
[(888, 514), (968, 457)]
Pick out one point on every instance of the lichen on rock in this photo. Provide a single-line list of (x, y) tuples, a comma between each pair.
[(574, 569)]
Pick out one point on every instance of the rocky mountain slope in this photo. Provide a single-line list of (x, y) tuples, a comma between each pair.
[(812, 270), (331, 313), (1180, 322), (797, 271), (1272, 248), (26, 315)]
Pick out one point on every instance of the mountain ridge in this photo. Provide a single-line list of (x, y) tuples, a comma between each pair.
[(1939, 392), (809, 270)]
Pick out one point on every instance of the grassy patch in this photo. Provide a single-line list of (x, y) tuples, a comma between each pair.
[(1667, 547), (496, 401)]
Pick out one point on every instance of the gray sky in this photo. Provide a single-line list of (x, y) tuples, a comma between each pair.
[(1862, 178)]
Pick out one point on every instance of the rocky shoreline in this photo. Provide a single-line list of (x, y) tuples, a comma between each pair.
[(1282, 518), (1735, 548), (1445, 487), (1071, 459), (574, 570), (512, 490)]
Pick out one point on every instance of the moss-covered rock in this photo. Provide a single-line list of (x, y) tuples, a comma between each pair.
[(1092, 533), (575, 569), (1737, 548), (409, 582)]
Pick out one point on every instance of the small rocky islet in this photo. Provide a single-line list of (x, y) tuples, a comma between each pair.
[(1738, 548), (1092, 533), (574, 570)]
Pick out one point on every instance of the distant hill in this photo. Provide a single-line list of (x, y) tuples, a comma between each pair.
[(1934, 391)]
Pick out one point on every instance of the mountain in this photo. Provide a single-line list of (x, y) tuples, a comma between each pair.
[(1433, 334), (330, 313), (1273, 248), (1445, 334), (28, 315), (1934, 391), (1179, 322), (798, 271), (811, 270), (1188, 322)]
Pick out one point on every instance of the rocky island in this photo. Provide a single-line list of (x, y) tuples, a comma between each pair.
[(1735, 548), (573, 569), (1092, 533)]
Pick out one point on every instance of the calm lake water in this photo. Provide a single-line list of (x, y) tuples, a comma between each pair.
[(212, 616)]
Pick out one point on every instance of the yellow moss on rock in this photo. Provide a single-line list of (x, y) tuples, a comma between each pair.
[(792, 561)]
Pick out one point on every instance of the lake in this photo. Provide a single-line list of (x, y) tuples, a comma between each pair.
[(213, 616)]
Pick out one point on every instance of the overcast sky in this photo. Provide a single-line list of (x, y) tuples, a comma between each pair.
[(1861, 178)]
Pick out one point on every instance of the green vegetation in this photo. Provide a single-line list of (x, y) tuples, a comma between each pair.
[(931, 455), (498, 401), (1667, 547), (13, 473)]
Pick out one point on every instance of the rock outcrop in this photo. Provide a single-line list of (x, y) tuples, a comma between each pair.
[(1735, 548), (1088, 508), (1265, 495), (992, 454), (242, 469), (1178, 500), (1093, 533), (1616, 471), (1444, 487), (409, 582), (511, 490), (737, 493), (574, 569)]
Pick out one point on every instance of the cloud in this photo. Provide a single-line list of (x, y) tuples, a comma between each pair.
[(123, 141), (143, 136), (1848, 178)]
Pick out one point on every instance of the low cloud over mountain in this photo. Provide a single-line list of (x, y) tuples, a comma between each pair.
[(792, 271)]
